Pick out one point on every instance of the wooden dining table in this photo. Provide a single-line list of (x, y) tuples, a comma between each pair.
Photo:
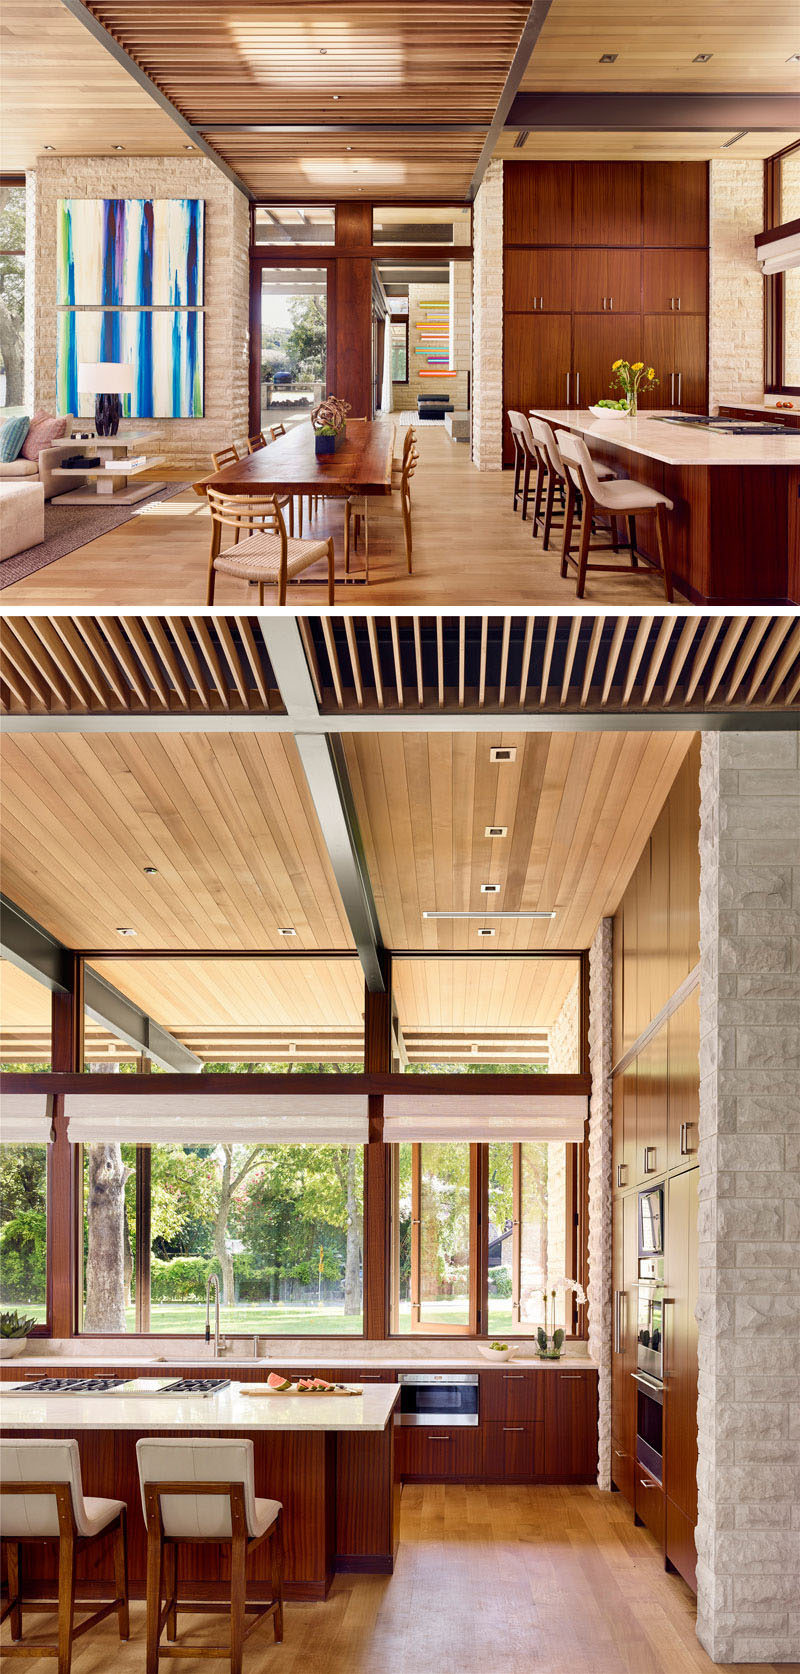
[(290, 465)]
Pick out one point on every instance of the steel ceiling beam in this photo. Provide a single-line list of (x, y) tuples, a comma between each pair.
[(326, 775), (519, 64), (43, 957), (656, 112)]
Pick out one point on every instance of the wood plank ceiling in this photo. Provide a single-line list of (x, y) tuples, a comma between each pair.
[(512, 664), (303, 65), (63, 90), (227, 822), (577, 808)]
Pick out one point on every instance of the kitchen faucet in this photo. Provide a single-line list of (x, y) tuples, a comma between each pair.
[(213, 1280)]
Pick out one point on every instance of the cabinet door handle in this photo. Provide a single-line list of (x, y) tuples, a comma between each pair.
[(541, 302), (680, 377), (577, 389), (679, 304), (618, 1300), (643, 1483), (686, 1149), (649, 1159), (622, 1168), (568, 377), (672, 302), (439, 1438), (514, 1377), (571, 1377), (604, 304), (672, 389), (513, 1429), (620, 1455), (611, 304)]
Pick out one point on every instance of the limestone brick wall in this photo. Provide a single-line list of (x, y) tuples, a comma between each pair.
[(600, 1184), (487, 296), (405, 395), (226, 284), (736, 287), (748, 1531)]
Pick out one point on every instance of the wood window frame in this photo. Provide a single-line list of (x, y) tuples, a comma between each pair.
[(775, 283), (295, 256), (401, 319)]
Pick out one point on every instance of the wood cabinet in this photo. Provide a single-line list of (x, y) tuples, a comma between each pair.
[(680, 1363), (537, 203), (676, 345), (440, 1453), (649, 1502), (607, 204), (540, 341), (683, 1050), (607, 282), (538, 281), (651, 1110), (675, 281), (599, 340), (512, 1395), (514, 1452), (675, 204), (570, 1432)]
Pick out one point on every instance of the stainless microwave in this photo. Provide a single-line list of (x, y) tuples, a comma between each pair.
[(651, 1221), (428, 1398)]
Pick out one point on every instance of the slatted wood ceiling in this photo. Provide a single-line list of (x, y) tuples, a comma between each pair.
[(282, 63), (389, 664), (578, 807), (226, 820)]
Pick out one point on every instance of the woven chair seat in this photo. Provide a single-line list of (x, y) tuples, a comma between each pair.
[(258, 557)]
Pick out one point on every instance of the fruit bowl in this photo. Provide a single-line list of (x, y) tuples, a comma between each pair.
[(610, 412), (505, 1353)]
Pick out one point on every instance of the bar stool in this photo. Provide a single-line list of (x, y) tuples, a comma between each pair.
[(204, 1491), (551, 466), (524, 457), (41, 1496), (620, 498)]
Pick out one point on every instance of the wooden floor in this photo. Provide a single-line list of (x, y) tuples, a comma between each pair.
[(470, 548), (488, 1581)]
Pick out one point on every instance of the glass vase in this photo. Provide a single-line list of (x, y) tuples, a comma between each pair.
[(633, 404)]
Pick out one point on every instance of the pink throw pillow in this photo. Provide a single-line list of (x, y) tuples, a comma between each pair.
[(43, 432)]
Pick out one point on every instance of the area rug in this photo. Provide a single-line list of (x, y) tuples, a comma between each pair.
[(403, 420), (68, 527)]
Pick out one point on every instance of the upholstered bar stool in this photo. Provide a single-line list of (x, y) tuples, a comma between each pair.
[(524, 458), (197, 1490), (620, 498), (551, 474), (41, 1498)]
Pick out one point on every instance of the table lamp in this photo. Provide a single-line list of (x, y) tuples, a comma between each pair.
[(106, 380)]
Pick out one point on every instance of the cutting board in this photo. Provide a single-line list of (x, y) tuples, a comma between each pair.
[(264, 1389)]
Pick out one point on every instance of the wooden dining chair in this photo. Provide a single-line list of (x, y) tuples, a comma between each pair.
[(256, 442), (277, 430), (198, 1490), (524, 458), (43, 1499), (618, 498), (226, 456), (265, 555)]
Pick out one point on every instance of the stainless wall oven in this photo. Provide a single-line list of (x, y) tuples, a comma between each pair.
[(438, 1398)]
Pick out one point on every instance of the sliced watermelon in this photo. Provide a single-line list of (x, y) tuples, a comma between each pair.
[(277, 1381)]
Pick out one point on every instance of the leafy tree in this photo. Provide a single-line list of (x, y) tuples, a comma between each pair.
[(12, 293), (306, 344)]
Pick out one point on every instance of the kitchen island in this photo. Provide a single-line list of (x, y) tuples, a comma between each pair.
[(735, 525), (329, 1459)]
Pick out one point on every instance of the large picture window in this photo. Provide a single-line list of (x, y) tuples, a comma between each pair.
[(23, 1231), (12, 296), (280, 1225)]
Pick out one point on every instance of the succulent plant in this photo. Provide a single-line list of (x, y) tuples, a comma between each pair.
[(12, 1326)]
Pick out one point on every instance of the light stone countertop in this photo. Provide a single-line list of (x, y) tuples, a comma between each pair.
[(358, 1353), (231, 1409), (675, 444)]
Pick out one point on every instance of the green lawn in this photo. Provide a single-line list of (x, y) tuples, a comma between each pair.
[(283, 1319)]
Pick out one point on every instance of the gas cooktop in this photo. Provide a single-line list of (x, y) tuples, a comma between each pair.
[(726, 427), (120, 1386)]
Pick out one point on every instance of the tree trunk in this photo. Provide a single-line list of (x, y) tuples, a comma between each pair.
[(352, 1298), (127, 1258), (12, 351), (223, 1255), (105, 1262)]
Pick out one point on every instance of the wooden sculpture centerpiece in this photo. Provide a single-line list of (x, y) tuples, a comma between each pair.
[(329, 421)]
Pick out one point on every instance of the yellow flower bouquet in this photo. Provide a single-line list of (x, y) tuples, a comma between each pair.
[(631, 376)]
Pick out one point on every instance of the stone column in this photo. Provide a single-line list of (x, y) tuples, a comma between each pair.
[(487, 330), (736, 288), (748, 1531), (600, 1184)]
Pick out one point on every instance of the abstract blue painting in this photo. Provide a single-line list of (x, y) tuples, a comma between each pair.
[(130, 252), (165, 348)]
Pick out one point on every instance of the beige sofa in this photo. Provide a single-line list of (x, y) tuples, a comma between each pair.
[(21, 515), (41, 470)]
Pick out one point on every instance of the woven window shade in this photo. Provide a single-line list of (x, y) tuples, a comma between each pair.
[(481, 1119), (25, 1119), (216, 1119)]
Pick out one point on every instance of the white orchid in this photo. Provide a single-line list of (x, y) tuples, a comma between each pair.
[(572, 1284)]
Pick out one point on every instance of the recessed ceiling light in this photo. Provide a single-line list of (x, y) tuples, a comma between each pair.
[(702, 57), (150, 871), (485, 932), (522, 139), (795, 58), (490, 889), (125, 930), (735, 138), (348, 148), (48, 148), (487, 913), (609, 58), (503, 752), (287, 931), (496, 831), (335, 97), (188, 148), (323, 52)]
